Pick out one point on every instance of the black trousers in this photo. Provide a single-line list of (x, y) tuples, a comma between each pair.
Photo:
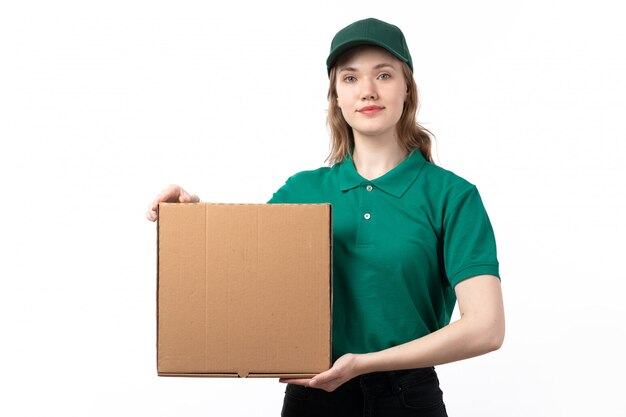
[(411, 392)]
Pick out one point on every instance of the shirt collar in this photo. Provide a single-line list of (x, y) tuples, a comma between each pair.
[(394, 182)]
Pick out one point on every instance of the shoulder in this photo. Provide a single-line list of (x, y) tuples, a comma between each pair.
[(453, 195), (309, 176), (302, 185), (446, 182)]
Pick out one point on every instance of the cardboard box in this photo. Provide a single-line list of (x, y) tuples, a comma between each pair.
[(244, 289)]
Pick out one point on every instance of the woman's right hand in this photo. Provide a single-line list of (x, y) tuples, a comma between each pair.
[(172, 194)]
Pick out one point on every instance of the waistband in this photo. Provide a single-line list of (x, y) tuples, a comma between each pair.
[(390, 381)]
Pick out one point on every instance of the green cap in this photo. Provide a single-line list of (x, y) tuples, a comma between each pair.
[(369, 32)]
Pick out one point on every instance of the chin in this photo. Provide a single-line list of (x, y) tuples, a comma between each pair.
[(373, 132)]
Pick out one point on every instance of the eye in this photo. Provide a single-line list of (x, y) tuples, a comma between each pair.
[(349, 79), (384, 76)]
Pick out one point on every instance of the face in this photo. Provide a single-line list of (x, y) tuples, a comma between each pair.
[(371, 90)]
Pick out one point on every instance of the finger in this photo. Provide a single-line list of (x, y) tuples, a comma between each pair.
[(185, 197), (322, 380), (171, 194), (164, 196), (151, 214), (304, 382), (326, 376)]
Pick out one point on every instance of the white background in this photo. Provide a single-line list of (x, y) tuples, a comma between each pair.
[(103, 104)]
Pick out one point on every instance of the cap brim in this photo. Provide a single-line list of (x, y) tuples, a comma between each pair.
[(341, 49)]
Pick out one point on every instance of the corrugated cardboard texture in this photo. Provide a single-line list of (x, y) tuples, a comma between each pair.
[(244, 289)]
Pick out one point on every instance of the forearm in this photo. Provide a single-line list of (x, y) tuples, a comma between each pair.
[(462, 339)]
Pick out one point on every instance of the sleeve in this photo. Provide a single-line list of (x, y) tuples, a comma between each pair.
[(469, 245)]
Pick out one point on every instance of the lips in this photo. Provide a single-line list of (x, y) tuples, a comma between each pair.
[(370, 109)]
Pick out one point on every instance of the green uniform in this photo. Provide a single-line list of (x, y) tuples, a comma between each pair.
[(401, 242)]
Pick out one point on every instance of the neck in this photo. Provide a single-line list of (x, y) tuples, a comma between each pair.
[(373, 157)]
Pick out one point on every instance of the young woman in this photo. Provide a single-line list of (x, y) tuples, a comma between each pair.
[(409, 240)]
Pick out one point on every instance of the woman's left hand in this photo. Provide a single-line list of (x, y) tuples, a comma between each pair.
[(344, 369)]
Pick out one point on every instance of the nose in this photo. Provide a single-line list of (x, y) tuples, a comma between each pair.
[(368, 90)]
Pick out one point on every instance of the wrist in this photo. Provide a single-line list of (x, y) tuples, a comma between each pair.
[(364, 363)]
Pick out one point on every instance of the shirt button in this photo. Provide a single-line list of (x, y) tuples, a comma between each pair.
[(369, 187), (367, 216)]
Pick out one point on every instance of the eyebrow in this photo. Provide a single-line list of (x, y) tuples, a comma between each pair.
[(379, 66)]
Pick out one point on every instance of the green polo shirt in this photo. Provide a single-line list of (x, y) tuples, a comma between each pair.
[(401, 242)]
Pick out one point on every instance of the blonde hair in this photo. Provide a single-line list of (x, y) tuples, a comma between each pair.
[(410, 133)]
